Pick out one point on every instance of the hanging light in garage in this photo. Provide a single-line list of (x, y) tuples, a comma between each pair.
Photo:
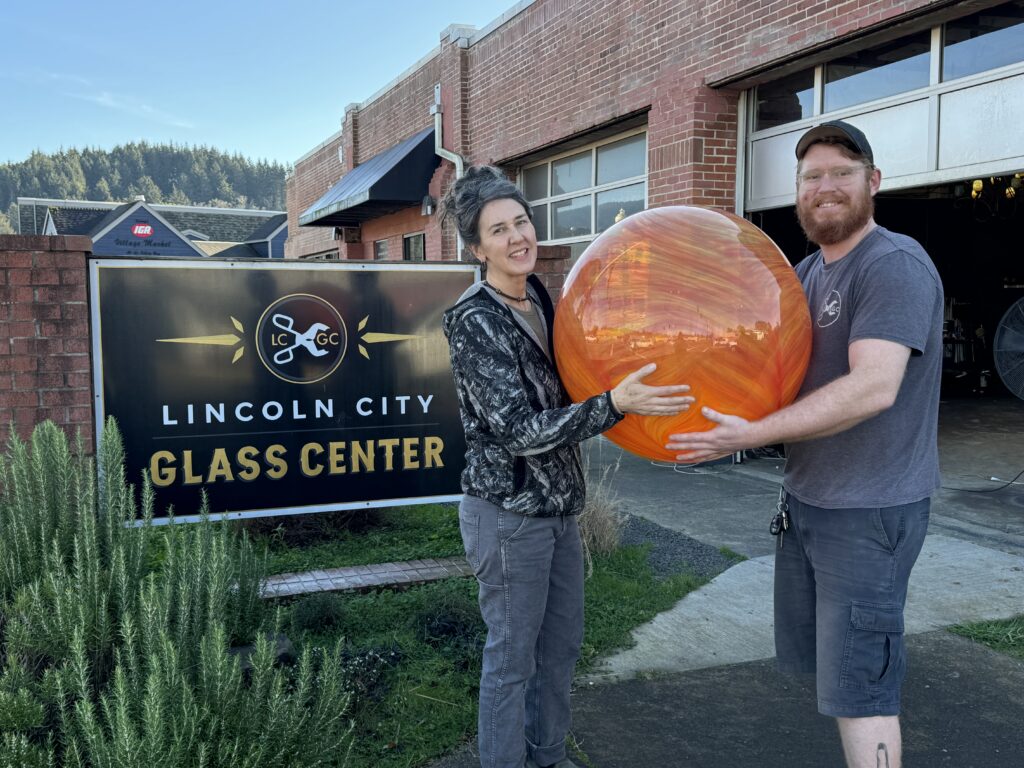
[(1015, 184), (990, 197)]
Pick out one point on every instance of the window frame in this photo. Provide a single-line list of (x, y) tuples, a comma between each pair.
[(406, 238), (943, 48), (935, 81), (592, 190)]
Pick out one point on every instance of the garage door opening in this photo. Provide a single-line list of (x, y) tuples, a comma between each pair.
[(972, 230), (977, 245)]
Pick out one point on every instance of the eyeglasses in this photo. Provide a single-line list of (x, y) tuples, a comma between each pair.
[(840, 176)]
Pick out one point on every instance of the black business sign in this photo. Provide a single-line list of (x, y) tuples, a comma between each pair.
[(279, 387)]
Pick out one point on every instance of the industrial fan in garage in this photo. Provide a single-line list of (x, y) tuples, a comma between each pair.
[(1008, 348)]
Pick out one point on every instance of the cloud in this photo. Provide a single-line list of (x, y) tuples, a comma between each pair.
[(119, 103), (38, 77), (60, 77), (84, 89)]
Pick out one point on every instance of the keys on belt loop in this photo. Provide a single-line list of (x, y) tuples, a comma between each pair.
[(780, 520)]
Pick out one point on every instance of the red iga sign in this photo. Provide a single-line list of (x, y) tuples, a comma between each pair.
[(142, 229)]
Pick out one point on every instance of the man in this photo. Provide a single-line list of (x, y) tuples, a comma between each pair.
[(861, 445)]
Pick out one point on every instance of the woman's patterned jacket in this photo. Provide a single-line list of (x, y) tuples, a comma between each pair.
[(522, 430)]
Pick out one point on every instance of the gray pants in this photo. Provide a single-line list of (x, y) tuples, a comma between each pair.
[(530, 572)]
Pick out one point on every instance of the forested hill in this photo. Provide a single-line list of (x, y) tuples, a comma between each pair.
[(164, 173)]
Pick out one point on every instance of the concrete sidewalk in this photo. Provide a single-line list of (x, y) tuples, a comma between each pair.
[(729, 620), (699, 687)]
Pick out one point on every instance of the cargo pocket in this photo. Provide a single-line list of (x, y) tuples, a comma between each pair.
[(874, 656)]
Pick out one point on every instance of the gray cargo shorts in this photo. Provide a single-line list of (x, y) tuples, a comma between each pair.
[(840, 587)]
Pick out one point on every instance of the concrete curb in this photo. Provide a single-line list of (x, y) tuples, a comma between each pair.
[(364, 577)]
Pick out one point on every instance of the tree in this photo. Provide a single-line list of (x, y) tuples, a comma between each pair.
[(102, 191), (161, 172), (146, 186), (177, 197)]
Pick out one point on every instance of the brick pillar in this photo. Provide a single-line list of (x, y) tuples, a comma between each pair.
[(552, 267), (44, 334), (692, 135)]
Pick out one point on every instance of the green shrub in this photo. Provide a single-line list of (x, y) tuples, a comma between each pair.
[(317, 612), (365, 670), (309, 530), (17, 752), (20, 712), (114, 637), (450, 622)]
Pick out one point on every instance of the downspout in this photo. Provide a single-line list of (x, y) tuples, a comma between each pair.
[(440, 151)]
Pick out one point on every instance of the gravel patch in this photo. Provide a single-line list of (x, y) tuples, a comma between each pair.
[(673, 552)]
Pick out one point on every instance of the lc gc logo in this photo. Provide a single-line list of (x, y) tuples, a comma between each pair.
[(301, 338)]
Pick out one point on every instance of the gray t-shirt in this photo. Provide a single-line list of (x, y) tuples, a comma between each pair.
[(533, 318), (885, 288)]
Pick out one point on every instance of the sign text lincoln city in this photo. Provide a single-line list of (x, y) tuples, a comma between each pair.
[(314, 459)]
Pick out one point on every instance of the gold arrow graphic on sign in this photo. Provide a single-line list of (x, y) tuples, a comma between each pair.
[(221, 340), (379, 338)]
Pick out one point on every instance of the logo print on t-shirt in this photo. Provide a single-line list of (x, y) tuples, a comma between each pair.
[(830, 309)]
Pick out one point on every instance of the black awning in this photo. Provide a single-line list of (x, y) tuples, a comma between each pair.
[(391, 181)]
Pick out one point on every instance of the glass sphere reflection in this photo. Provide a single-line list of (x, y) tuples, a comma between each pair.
[(704, 294)]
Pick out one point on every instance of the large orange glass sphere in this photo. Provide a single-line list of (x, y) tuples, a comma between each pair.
[(704, 294)]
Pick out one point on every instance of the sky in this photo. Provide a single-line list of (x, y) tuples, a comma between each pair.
[(265, 78)]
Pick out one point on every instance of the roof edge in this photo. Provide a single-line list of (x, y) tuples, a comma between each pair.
[(453, 32), (107, 205), (507, 16), (322, 145), (142, 204), (340, 205), (271, 236), (406, 73)]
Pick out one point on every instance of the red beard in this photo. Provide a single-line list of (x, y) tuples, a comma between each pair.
[(828, 228)]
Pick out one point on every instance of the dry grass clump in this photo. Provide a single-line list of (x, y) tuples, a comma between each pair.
[(602, 519)]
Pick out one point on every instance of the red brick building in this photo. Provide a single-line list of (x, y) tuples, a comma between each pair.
[(601, 109)]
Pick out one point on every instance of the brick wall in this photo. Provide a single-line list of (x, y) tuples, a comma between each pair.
[(313, 175), (44, 334), (562, 67), (410, 221), (394, 227), (398, 114), (552, 267)]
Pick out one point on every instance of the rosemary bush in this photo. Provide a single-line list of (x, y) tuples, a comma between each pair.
[(109, 661)]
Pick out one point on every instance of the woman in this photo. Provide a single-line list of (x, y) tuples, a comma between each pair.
[(523, 481)]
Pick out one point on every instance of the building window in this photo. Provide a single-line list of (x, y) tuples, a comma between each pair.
[(875, 73), (413, 247), (577, 195), (978, 43), (987, 40), (380, 249), (785, 101)]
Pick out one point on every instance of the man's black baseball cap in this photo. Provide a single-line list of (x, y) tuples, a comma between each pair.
[(850, 135)]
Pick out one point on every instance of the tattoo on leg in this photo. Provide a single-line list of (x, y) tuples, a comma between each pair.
[(882, 756)]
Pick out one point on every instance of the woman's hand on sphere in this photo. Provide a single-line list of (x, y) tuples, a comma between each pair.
[(633, 396)]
